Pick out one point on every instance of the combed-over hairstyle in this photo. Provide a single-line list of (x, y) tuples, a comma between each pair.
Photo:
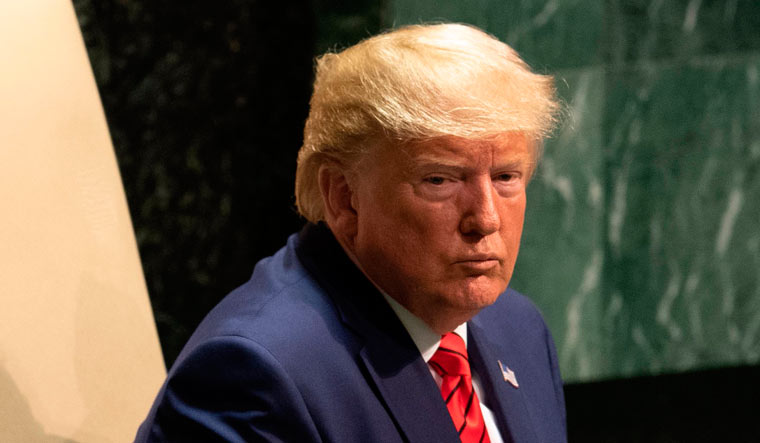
[(412, 84)]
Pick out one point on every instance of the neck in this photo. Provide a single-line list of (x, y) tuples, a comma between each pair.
[(441, 319)]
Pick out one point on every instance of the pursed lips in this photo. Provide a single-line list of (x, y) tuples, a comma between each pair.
[(479, 261)]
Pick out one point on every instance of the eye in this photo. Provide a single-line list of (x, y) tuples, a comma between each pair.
[(506, 177), (437, 187), (435, 180), (508, 183)]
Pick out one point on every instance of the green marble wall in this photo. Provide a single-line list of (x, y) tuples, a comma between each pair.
[(642, 240)]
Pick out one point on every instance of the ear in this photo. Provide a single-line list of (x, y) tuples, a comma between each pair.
[(338, 198)]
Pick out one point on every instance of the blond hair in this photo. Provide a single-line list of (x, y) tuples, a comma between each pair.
[(416, 83)]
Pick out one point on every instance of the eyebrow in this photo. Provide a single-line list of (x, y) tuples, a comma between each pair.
[(432, 162)]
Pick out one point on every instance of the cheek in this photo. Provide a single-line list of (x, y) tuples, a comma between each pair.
[(513, 217), (432, 233), (409, 237), (517, 218), (385, 231), (417, 220)]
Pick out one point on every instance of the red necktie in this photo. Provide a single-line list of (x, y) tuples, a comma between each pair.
[(450, 362)]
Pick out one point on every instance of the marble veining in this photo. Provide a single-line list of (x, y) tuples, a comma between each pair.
[(690, 17), (726, 230)]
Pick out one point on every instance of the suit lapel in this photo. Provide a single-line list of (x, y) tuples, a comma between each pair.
[(508, 403), (391, 360), (403, 380)]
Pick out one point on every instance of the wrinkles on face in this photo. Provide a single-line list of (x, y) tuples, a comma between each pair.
[(439, 222)]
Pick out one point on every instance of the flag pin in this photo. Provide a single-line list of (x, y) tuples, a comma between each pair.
[(508, 374)]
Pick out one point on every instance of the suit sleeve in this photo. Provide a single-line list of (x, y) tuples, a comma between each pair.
[(229, 389)]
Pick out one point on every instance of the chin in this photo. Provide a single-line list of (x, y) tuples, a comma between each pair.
[(477, 293)]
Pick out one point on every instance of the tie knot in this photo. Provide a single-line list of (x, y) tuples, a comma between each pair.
[(451, 356)]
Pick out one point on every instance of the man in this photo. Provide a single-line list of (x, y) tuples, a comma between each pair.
[(388, 317)]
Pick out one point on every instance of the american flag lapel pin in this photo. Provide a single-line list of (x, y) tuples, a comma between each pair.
[(508, 374)]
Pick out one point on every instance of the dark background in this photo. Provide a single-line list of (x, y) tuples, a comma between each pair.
[(206, 102)]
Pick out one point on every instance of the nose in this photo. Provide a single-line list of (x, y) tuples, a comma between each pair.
[(480, 216)]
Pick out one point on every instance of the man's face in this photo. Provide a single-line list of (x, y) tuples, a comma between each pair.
[(439, 222)]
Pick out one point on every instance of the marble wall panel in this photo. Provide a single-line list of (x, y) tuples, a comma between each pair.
[(660, 29), (562, 252), (545, 32), (682, 155)]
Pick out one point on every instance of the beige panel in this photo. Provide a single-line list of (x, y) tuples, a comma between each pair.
[(79, 354)]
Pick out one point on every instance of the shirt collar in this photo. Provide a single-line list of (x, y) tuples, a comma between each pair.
[(423, 336)]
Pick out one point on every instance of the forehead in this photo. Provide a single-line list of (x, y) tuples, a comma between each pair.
[(513, 147)]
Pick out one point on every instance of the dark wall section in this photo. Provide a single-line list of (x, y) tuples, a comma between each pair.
[(719, 405), (206, 103)]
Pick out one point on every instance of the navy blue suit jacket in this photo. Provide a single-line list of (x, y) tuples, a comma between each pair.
[(308, 350)]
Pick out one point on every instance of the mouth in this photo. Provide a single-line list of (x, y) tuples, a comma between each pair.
[(485, 256), (482, 262)]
